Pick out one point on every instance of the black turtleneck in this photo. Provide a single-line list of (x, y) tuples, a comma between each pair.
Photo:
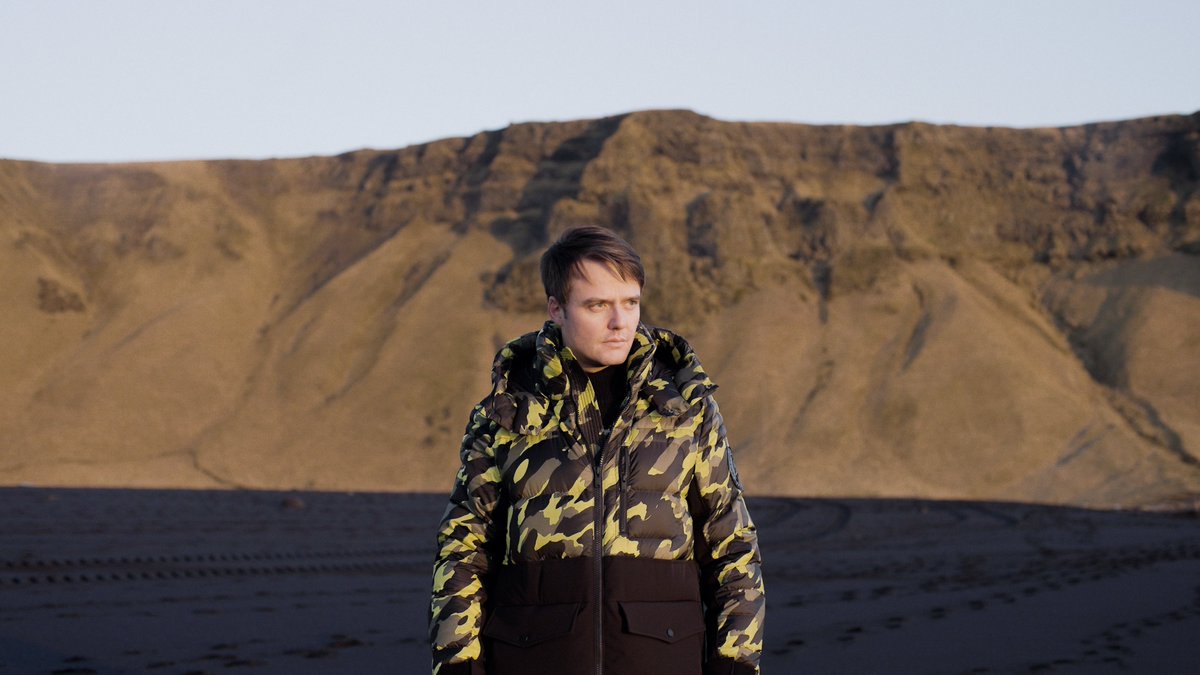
[(610, 385)]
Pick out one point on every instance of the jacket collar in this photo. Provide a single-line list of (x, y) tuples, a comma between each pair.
[(532, 387)]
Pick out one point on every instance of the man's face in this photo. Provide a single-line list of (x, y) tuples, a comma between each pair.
[(600, 316)]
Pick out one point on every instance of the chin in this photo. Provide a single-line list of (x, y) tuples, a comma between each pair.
[(617, 356)]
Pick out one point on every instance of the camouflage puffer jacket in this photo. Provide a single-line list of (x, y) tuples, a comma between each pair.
[(568, 549)]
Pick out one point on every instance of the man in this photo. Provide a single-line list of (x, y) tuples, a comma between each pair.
[(597, 524)]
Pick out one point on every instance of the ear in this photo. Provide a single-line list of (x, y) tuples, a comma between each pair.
[(556, 311)]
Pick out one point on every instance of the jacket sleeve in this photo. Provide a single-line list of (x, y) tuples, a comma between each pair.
[(468, 545), (728, 555)]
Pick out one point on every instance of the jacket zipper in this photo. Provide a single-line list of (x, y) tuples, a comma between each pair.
[(598, 536), (623, 470), (598, 545), (597, 456), (598, 532)]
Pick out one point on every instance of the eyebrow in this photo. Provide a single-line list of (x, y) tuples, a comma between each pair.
[(588, 301)]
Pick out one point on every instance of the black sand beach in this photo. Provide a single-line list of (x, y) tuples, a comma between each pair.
[(175, 581)]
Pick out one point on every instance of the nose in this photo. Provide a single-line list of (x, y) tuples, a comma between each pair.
[(620, 318)]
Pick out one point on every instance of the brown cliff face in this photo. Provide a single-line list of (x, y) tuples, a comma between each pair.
[(890, 311)]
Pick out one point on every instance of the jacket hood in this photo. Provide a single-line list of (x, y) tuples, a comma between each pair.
[(532, 377)]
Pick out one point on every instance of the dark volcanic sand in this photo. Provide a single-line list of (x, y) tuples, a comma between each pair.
[(107, 581)]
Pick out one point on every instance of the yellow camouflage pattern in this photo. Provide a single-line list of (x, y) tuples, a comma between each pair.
[(525, 489)]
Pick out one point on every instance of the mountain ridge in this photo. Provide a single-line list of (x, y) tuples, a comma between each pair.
[(919, 310)]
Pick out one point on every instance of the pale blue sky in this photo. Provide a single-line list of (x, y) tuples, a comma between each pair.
[(120, 80)]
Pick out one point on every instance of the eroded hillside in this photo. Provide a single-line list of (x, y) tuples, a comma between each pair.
[(902, 310)]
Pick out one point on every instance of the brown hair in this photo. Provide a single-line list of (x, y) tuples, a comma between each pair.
[(587, 242)]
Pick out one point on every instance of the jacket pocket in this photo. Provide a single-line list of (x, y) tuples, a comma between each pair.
[(669, 622), (530, 625), (535, 640)]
